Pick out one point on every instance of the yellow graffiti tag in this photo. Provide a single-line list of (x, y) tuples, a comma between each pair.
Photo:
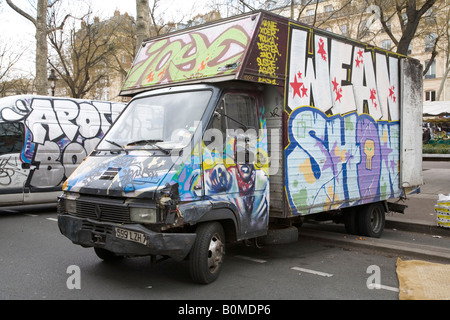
[(268, 50)]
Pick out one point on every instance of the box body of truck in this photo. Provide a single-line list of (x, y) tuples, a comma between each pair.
[(242, 124), (43, 139)]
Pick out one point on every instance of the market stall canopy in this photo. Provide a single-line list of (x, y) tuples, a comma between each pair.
[(436, 108)]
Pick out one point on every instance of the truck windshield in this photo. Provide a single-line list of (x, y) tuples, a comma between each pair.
[(159, 122)]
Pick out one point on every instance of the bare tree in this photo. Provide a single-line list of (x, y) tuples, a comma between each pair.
[(40, 22), (409, 14), (7, 62), (82, 55)]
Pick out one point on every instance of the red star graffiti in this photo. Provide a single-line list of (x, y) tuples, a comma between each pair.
[(337, 90), (359, 59), (322, 51), (373, 97), (296, 86), (392, 93), (360, 53), (299, 87), (304, 91), (335, 84)]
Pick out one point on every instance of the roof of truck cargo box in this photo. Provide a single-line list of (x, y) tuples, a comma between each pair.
[(247, 47)]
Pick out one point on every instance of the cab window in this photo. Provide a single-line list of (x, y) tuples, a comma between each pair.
[(11, 137)]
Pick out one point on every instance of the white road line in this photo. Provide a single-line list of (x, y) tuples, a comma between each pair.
[(52, 219), (380, 286), (30, 215), (319, 273), (251, 259)]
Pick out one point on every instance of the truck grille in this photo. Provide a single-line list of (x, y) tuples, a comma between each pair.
[(103, 212)]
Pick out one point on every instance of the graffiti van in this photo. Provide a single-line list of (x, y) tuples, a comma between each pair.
[(238, 131), (42, 141)]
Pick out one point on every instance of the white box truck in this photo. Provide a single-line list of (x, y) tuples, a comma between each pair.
[(240, 129)]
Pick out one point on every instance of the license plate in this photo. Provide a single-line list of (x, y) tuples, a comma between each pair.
[(131, 236)]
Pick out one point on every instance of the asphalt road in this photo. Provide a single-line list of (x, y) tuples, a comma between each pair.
[(37, 262)]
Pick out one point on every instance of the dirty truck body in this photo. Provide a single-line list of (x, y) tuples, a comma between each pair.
[(241, 128), (43, 139)]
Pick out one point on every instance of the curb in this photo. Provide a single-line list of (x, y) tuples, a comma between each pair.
[(418, 227), (436, 157), (424, 251)]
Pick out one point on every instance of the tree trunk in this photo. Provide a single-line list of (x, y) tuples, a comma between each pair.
[(40, 23), (142, 22), (41, 48)]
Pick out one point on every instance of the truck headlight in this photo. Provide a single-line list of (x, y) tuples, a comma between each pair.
[(143, 215), (70, 206), (70, 202)]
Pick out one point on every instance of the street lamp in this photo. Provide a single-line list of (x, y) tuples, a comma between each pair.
[(52, 78)]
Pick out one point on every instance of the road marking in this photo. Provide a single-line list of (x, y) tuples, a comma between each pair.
[(380, 286), (52, 219), (30, 215), (251, 259), (319, 273)]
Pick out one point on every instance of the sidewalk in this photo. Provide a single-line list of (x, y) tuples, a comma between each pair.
[(420, 215)]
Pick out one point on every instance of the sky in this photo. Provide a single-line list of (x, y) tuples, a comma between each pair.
[(19, 33)]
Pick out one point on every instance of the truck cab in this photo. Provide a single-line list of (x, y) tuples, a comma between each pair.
[(176, 158)]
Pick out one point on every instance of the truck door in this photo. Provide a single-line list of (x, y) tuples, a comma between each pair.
[(13, 172), (233, 175)]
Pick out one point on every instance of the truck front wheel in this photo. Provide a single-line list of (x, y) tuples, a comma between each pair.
[(207, 253)]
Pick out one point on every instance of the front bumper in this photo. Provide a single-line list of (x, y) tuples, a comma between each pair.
[(90, 233)]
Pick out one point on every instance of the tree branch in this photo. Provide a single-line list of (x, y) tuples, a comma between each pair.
[(21, 12)]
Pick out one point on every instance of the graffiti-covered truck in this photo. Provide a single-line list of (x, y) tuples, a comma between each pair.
[(239, 130), (43, 139)]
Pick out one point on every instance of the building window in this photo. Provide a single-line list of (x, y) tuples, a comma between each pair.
[(310, 12), (328, 8), (431, 73), (430, 40), (430, 95), (386, 44), (410, 48), (344, 29)]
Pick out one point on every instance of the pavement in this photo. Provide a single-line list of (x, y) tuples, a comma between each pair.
[(429, 242), (420, 216)]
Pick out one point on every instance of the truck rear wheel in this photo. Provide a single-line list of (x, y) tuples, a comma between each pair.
[(371, 220), (207, 253)]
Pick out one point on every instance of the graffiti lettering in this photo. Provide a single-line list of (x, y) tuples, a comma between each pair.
[(343, 124), (209, 52), (340, 77), (60, 133), (268, 51)]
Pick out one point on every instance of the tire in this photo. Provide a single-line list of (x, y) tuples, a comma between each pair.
[(281, 235), (351, 221), (107, 255), (371, 220), (207, 253)]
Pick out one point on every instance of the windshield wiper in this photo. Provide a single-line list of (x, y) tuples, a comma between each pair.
[(117, 145), (152, 142)]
